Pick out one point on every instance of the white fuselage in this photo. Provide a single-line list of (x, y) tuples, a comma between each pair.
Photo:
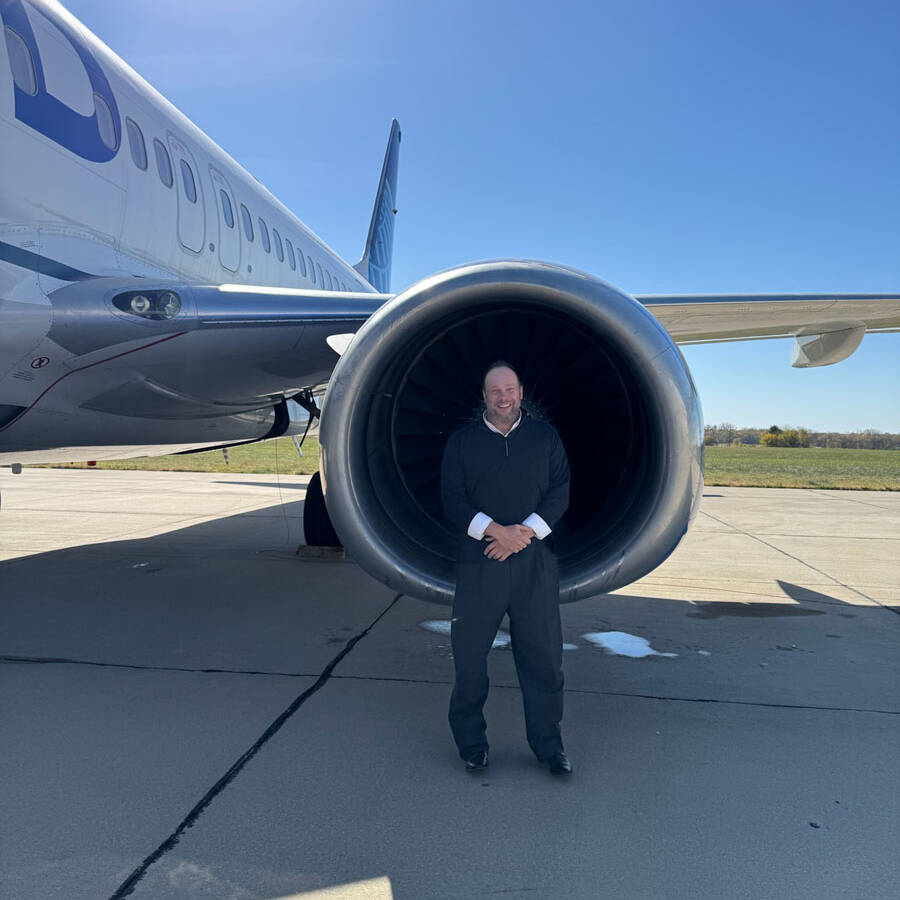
[(113, 217), (166, 203)]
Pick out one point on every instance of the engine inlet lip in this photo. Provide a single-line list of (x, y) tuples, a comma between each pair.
[(367, 530)]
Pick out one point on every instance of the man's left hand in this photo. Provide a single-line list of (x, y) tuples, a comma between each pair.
[(494, 551)]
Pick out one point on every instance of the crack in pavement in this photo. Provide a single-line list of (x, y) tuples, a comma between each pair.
[(761, 703), (170, 842), (802, 562), (442, 681), (832, 496), (62, 660)]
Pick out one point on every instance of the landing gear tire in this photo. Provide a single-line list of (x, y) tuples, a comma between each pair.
[(317, 528)]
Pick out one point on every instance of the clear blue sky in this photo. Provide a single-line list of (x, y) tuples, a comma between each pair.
[(668, 147)]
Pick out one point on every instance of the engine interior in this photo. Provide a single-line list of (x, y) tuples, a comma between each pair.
[(572, 379)]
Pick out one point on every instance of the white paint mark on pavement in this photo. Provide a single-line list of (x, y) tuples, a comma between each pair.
[(620, 643), (501, 641), (438, 626), (442, 626)]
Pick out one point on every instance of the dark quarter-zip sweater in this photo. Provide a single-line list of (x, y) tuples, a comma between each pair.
[(507, 478)]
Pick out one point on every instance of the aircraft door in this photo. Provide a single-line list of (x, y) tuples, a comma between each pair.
[(191, 214), (229, 232)]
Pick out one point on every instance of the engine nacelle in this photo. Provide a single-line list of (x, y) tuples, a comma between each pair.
[(593, 362)]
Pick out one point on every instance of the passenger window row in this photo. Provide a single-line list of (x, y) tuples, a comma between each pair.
[(306, 264), (25, 79)]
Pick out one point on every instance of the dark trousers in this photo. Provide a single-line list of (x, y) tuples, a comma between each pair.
[(526, 586)]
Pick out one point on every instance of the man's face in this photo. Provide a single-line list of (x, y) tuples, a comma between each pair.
[(502, 396)]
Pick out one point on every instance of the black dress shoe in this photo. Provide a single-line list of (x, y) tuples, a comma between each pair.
[(559, 764), (477, 761)]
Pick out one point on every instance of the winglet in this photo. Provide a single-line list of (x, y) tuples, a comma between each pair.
[(375, 265)]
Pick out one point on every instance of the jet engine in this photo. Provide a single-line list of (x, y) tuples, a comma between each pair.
[(592, 361)]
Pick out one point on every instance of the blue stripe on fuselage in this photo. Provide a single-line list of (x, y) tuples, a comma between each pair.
[(43, 264), (49, 115)]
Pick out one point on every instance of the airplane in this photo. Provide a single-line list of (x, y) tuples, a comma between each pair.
[(156, 298)]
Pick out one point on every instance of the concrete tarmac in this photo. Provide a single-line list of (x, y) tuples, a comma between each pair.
[(189, 710)]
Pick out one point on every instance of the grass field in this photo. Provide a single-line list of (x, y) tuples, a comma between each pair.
[(265, 457), (875, 470), (803, 467)]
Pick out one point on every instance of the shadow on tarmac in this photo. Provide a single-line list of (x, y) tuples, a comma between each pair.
[(731, 748)]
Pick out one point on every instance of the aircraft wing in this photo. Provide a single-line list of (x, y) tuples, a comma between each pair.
[(225, 349), (827, 327)]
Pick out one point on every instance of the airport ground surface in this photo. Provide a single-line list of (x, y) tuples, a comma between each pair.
[(187, 704)]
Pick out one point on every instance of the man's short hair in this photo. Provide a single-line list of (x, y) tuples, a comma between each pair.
[(499, 364)]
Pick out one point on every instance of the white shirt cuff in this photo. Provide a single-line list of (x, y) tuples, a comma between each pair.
[(478, 524), (540, 528)]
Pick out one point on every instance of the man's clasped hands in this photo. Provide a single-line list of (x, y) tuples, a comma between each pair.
[(504, 540)]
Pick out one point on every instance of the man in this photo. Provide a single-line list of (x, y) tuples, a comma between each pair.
[(505, 485)]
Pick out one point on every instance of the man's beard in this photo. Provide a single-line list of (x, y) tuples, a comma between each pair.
[(503, 416)]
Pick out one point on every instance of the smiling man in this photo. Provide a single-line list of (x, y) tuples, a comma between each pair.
[(505, 485)]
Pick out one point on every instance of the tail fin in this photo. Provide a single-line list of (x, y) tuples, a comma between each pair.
[(375, 265)]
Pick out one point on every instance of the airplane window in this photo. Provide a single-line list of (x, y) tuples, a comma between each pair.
[(279, 250), (248, 222), (105, 124), (163, 163), (227, 211), (301, 262), (136, 143), (328, 280), (187, 177), (20, 62), (312, 269), (264, 236), (321, 279), (290, 253)]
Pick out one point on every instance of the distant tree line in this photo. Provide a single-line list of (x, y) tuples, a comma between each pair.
[(790, 436)]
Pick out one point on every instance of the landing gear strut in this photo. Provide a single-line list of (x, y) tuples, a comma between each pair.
[(317, 528)]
